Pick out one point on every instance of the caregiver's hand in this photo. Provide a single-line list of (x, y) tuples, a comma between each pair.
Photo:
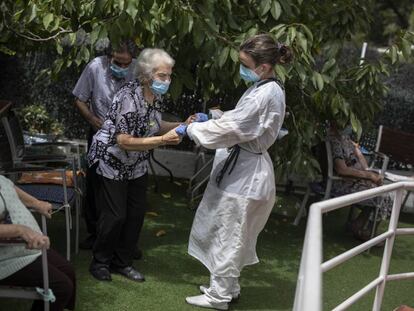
[(171, 138), (181, 130)]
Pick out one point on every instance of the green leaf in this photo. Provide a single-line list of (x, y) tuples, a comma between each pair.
[(223, 56), (212, 24), (84, 54), (264, 6), (356, 124), (47, 19), (132, 8), (328, 65), (303, 43), (319, 81), (308, 32), (121, 4), (6, 50), (393, 54), (33, 13), (406, 48), (234, 55), (198, 34), (276, 10), (59, 49), (281, 72), (190, 23)]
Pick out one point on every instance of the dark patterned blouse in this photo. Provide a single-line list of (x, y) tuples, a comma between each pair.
[(129, 114), (344, 149)]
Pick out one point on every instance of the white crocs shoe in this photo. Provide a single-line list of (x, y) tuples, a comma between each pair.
[(202, 301), (235, 296)]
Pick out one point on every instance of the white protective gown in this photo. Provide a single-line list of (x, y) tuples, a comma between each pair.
[(231, 216)]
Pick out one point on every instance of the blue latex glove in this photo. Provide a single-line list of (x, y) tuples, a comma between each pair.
[(201, 117), (181, 130)]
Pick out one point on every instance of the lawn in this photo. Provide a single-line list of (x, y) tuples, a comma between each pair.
[(171, 274)]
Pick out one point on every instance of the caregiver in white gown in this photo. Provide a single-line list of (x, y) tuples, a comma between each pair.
[(237, 202)]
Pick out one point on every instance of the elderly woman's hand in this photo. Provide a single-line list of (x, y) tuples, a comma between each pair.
[(377, 178), (191, 119), (44, 208), (171, 138), (33, 239)]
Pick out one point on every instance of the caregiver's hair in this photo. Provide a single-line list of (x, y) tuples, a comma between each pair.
[(149, 60), (263, 49)]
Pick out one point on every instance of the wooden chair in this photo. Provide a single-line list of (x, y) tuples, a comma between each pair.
[(44, 293)]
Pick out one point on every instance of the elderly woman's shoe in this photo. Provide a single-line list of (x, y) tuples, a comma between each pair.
[(130, 273), (203, 301)]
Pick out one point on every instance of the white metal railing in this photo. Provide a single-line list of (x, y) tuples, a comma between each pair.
[(309, 284)]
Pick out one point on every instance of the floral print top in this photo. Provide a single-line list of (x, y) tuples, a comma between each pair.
[(344, 149), (129, 114)]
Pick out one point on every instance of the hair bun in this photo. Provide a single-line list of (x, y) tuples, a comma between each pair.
[(285, 53)]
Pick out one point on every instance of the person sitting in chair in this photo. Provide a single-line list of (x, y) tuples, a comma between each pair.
[(350, 163), (21, 265)]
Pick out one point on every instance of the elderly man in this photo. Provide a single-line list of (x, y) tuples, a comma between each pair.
[(94, 92)]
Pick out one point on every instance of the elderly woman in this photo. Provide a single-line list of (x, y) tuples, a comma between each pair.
[(22, 266), (119, 152), (350, 163)]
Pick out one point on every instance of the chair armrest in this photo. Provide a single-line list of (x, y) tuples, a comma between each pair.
[(33, 169), (385, 161), (58, 144)]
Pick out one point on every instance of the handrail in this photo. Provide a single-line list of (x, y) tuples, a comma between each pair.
[(309, 284)]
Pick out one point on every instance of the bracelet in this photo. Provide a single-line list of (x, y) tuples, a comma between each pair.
[(162, 140)]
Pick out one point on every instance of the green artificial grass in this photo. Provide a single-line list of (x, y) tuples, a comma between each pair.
[(171, 274)]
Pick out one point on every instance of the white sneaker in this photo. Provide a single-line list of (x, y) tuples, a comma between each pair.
[(234, 296), (202, 301)]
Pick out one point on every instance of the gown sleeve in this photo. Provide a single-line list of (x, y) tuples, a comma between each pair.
[(244, 123)]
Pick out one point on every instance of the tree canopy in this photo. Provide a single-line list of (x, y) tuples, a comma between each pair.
[(203, 36)]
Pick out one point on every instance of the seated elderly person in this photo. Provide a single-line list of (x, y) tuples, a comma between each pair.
[(22, 265), (350, 163)]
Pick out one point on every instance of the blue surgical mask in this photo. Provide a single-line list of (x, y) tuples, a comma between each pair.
[(248, 74), (119, 72), (160, 87)]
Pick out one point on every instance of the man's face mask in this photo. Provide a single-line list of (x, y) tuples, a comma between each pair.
[(119, 72), (160, 87), (248, 74)]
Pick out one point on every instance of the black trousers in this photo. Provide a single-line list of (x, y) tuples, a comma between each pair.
[(90, 212), (122, 207), (62, 281)]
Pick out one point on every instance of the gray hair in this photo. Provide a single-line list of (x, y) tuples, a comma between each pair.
[(149, 60)]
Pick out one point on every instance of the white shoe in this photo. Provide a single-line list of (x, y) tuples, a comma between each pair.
[(202, 301), (234, 296)]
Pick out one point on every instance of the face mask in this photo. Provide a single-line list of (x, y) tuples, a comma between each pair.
[(248, 74), (119, 72), (160, 87)]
